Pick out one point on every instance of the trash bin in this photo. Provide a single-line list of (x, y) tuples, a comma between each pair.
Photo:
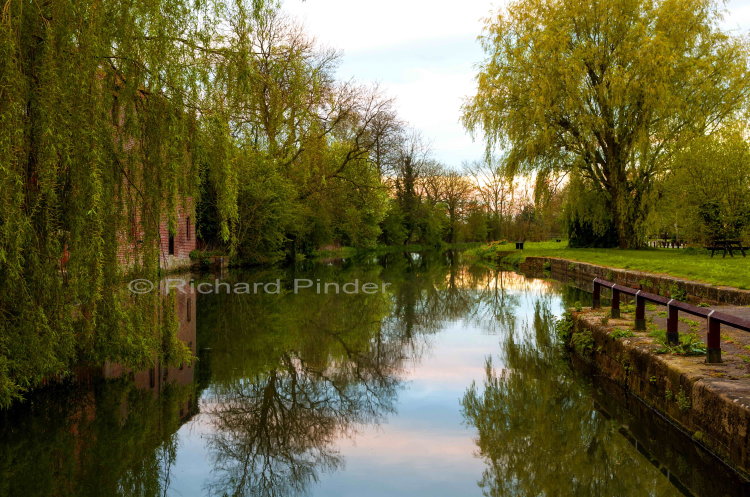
[(519, 245)]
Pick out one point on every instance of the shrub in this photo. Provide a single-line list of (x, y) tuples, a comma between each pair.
[(564, 327), (582, 342)]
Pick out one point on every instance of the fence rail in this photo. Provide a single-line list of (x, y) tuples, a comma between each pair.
[(713, 317)]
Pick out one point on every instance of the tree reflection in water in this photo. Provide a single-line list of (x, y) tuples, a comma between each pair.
[(283, 378), (538, 429), (309, 369)]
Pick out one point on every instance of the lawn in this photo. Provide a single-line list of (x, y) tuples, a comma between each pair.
[(683, 263)]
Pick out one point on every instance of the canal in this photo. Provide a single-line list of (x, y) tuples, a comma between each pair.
[(447, 381)]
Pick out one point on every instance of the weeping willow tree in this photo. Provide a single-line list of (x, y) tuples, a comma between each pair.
[(102, 108), (607, 90)]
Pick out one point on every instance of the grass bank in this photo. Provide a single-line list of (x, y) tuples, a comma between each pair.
[(690, 264)]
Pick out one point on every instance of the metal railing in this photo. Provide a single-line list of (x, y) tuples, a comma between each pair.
[(713, 317)]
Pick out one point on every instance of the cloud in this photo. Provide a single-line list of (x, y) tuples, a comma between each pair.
[(360, 25), (424, 53)]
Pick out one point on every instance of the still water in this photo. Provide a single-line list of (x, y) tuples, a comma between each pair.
[(449, 383)]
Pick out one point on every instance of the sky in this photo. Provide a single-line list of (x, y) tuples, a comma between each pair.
[(424, 53)]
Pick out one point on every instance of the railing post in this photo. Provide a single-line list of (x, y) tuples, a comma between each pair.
[(640, 312), (713, 340), (597, 302), (615, 303), (673, 336)]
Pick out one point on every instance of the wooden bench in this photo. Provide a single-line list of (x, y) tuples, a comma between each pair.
[(727, 246)]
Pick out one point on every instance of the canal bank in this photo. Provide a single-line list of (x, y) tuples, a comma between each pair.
[(672, 450), (582, 274), (709, 402)]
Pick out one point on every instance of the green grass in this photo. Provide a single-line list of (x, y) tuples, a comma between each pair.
[(622, 334), (690, 344), (684, 263)]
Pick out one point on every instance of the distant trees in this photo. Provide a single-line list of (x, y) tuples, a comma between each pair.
[(495, 190), (608, 92), (454, 191), (434, 204)]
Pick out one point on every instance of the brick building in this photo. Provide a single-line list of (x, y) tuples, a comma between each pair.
[(174, 249)]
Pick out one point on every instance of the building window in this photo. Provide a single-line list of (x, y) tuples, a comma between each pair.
[(187, 225), (171, 244)]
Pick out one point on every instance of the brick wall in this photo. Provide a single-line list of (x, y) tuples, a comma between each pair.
[(176, 254), (172, 255)]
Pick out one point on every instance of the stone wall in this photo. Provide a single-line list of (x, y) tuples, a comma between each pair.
[(583, 274), (713, 409)]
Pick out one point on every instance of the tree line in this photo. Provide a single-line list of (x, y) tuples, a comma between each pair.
[(319, 162)]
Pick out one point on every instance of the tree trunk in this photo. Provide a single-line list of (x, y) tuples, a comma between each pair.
[(628, 212), (617, 192)]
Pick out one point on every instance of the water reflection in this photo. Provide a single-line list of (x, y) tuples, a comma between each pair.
[(539, 431), (304, 372), (93, 440), (287, 383), (96, 437)]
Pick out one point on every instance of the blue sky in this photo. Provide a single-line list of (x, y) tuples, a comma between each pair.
[(424, 53)]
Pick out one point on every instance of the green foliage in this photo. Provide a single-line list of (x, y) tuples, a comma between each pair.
[(582, 342), (607, 91), (99, 142), (588, 216), (392, 226), (622, 334), (690, 344), (677, 292), (564, 327), (683, 401), (112, 115), (706, 194)]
